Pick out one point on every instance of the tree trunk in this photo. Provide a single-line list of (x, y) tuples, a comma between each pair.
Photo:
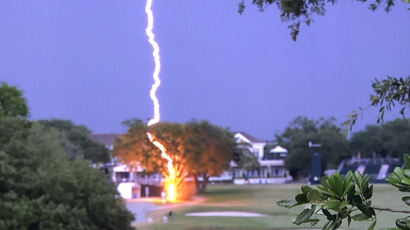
[(205, 177), (197, 184)]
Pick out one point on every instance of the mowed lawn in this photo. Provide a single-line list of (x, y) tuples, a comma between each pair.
[(260, 199)]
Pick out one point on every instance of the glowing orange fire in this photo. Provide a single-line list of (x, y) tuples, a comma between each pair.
[(170, 177)]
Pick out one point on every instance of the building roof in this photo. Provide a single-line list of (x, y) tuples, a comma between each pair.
[(106, 139), (251, 138)]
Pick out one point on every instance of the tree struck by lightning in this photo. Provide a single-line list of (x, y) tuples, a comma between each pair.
[(170, 176)]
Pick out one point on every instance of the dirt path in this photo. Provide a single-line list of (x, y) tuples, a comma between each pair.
[(140, 209)]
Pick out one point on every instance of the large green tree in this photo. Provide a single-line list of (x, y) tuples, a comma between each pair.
[(12, 102), (390, 139), (212, 149), (303, 130), (40, 188), (76, 141), (135, 149)]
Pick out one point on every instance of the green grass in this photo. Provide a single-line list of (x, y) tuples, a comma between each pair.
[(260, 199)]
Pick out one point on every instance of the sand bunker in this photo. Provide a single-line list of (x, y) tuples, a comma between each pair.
[(227, 213)]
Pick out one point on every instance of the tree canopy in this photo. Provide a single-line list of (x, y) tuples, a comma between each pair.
[(297, 12), (40, 188), (76, 141), (303, 130), (211, 147), (12, 102)]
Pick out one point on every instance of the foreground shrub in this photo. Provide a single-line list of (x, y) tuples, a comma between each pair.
[(40, 188), (348, 198)]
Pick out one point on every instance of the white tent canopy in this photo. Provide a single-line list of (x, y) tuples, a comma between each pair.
[(278, 149), (125, 168), (121, 168)]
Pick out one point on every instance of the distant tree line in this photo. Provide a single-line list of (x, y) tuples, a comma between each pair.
[(388, 140)]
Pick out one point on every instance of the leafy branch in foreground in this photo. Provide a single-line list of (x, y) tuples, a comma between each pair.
[(388, 93), (339, 198)]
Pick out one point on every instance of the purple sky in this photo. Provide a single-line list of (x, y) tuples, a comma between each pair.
[(89, 61)]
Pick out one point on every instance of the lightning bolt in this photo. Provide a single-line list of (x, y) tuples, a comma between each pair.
[(170, 178), (157, 69)]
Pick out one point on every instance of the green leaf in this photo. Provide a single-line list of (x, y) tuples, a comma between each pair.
[(328, 215), (348, 188), (343, 204), (326, 227), (399, 172), (314, 195), (403, 223), (366, 209), (350, 195), (407, 160), (402, 111), (349, 176), (368, 192), (360, 217), (358, 179), (348, 182), (333, 204), (331, 225), (313, 221), (366, 179), (325, 183), (287, 203), (306, 189), (394, 180), (371, 227), (301, 198), (406, 200), (305, 215), (405, 181), (327, 188), (406, 173), (337, 182)]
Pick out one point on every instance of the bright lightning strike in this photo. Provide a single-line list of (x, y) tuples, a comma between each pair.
[(171, 177), (155, 46)]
